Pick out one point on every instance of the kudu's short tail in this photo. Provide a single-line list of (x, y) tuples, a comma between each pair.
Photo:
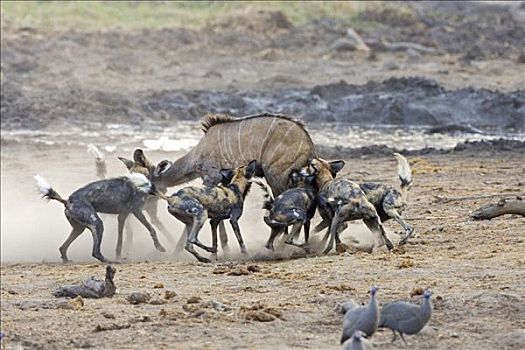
[(404, 173), (268, 198), (100, 160), (47, 191)]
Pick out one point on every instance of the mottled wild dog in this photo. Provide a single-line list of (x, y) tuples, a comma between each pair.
[(295, 206), (194, 205), (121, 195), (388, 201), (341, 200)]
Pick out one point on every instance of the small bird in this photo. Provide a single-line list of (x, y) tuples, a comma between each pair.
[(358, 342), (406, 318), (362, 318), (91, 288)]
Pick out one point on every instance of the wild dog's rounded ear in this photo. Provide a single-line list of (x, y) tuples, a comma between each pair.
[(250, 169), (140, 159), (336, 166), (227, 175), (295, 176), (128, 163), (162, 167)]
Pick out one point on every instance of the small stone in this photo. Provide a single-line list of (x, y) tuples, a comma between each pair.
[(169, 294), (12, 292), (240, 271), (253, 268), (158, 301), (194, 300), (108, 315), (158, 285), (138, 298), (454, 335), (259, 316), (406, 263), (417, 291)]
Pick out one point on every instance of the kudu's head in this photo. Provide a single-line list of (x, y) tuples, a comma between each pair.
[(142, 165)]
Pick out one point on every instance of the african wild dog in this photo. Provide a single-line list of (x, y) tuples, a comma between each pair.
[(341, 200), (388, 201), (295, 206), (120, 195), (194, 205)]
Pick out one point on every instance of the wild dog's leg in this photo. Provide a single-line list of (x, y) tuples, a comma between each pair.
[(276, 230), (189, 246), (97, 230), (374, 225), (393, 205), (306, 245), (152, 209), (296, 230), (140, 216), (75, 232), (200, 215), (121, 220), (129, 235), (224, 238), (214, 224), (234, 221), (334, 226)]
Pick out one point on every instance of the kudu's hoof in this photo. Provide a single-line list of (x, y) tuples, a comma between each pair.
[(160, 248)]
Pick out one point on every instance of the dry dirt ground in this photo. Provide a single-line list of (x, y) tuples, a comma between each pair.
[(475, 270)]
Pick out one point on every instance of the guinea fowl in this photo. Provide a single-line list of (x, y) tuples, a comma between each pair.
[(91, 288), (406, 318), (362, 318), (358, 342)]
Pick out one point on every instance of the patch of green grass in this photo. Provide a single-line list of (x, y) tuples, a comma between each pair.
[(101, 15)]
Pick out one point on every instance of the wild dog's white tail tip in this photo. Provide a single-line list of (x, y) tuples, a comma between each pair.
[(95, 152), (403, 170), (140, 181), (42, 185)]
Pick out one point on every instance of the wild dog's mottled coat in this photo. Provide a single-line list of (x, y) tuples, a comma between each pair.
[(121, 195), (341, 200), (295, 206), (194, 205)]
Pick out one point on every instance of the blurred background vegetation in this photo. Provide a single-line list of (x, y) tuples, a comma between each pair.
[(130, 15)]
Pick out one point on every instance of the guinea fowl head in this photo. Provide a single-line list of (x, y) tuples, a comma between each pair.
[(427, 294)]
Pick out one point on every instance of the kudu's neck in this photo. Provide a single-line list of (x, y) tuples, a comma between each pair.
[(182, 170)]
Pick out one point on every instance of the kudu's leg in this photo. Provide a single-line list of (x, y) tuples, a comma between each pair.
[(140, 216)]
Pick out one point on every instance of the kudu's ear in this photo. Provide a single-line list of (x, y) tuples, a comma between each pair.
[(227, 175), (336, 166), (162, 167), (128, 163), (140, 159), (249, 171)]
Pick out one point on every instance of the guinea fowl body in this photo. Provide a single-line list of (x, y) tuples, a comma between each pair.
[(358, 342), (406, 318), (362, 318)]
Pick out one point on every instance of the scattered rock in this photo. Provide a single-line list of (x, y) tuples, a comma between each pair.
[(253, 268), (417, 291), (513, 340), (158, 301), (259, 316), (140, 318), (73, 304), (108, 315), (406, 263), (12, 292), (158, 285), (111, 327), (138, 298), (240, 271), (194, 300), (169, 294)]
